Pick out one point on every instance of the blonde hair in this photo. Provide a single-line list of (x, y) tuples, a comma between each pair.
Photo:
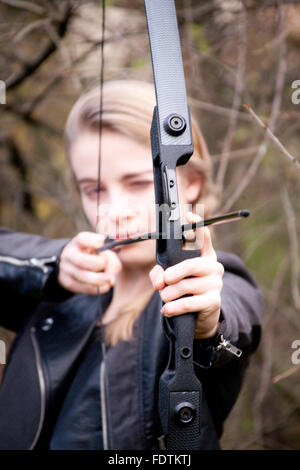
[(128, 109)]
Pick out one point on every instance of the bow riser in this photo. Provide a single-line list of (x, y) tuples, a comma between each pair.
[(180, 391)]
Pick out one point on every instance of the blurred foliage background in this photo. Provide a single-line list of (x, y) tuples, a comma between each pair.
[(235, 52)]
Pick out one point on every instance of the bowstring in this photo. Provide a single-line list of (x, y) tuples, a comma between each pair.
[(103, 375), (100, 109)]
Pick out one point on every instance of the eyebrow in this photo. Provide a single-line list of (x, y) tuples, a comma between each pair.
[(86, 180), (125, 177), (134, 175)]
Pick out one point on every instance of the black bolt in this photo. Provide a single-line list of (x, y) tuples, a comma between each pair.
[(185, 353), (185, 413), (175, 124)]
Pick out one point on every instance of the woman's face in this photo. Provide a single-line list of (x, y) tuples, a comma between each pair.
[(126, 199)]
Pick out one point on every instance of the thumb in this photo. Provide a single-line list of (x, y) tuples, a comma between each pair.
[(208, 249), (198, 232), (203, 236)]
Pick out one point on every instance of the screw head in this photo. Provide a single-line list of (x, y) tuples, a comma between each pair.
[(175, 124), (185, 353), (185, 413)]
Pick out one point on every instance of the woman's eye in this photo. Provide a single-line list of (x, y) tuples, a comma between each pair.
[(141, 184), (91, 191)]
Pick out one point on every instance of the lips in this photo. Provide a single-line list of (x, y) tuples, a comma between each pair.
[(126, 236)]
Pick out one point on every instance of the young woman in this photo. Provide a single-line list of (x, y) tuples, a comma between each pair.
[(52, 393)]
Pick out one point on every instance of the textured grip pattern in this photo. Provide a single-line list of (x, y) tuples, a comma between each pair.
[(167, 67)]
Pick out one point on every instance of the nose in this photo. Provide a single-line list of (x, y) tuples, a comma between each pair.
[(116, 212), (120, 204)]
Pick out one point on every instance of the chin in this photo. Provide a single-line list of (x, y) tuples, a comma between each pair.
[(140, 254)]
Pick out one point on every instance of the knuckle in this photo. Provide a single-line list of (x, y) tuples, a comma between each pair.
[(66, 253), (217, 281), (104, 288), (213, 264), (163, 296), (193, 265), (64, 267), (216, 300), (79, 237), (168, 274), (85, 234), (220, 268), (63, 253), (166, 309), (68, 283)]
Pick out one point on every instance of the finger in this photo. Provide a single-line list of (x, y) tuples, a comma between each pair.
[(85, 276), (83, 267), (199, 266), (204, 303), (207, 248), (89, 240), (72, 285), (157, 277), (107, 261), (192, 286), (87, 261), (81, 288)]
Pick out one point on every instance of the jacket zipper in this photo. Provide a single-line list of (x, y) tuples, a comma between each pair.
[(42, 384), (39, 263), (225, 344)]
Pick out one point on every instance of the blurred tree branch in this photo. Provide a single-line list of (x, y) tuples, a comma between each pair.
[(31, 66), (23, 5)]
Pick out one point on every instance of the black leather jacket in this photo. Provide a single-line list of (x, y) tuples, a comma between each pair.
[(54, 326)]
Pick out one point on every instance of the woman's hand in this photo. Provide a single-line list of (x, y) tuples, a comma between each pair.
[(201, 278), (84, 271)]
